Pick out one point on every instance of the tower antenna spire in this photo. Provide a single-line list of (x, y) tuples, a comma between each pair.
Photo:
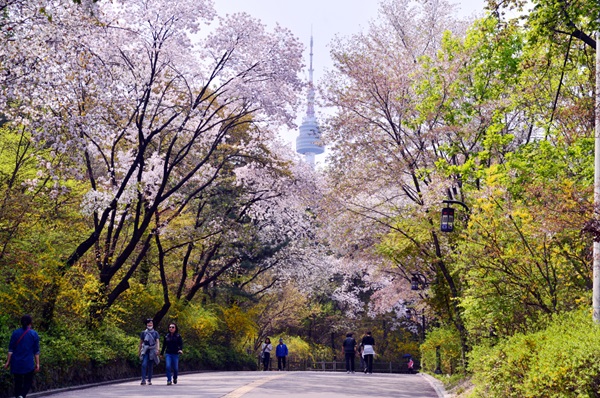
[(310, 106), (308, 141)]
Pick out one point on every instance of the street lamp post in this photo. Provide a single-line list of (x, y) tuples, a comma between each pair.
[(413, 311), (438, 361), (596, 244), (447, 219), (418, 281)]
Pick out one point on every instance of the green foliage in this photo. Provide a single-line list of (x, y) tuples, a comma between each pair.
[(448, 341), (522, 254), (560, 361), (298, 348), (199, 324), (5, 333), (400, 344), (217, 357), (135, 305), (321, 352), (549, 17), (69, 345)]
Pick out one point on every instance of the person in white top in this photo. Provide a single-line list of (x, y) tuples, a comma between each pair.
[(265, 354), (368, 342)]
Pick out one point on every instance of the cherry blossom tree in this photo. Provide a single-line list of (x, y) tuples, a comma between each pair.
[(251, 231), (392, 88), (380, 140), (151, 119)]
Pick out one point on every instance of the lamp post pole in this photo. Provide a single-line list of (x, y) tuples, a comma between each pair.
[(596, 250), (438, 361), (418, 281), (447, 221)]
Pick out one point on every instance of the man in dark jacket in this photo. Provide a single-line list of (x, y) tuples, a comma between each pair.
[(349, 346)]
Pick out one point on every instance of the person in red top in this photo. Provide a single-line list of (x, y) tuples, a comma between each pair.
[(23, 356)]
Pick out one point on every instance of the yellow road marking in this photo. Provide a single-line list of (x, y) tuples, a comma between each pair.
[(249, 387)]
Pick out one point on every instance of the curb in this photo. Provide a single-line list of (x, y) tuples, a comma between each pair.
[(101, 383), (437, 385), (79, 387)]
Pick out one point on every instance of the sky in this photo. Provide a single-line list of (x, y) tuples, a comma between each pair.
[(326, 19)]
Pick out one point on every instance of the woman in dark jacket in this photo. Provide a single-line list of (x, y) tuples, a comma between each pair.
[(368, 343), (173, 345)]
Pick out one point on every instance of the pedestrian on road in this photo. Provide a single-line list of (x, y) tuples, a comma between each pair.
[(173, 345), (149, 349), (267, 347), (411, 366), (281, 352), (23, 356), (359, 352), (368, 343), (349, 347)]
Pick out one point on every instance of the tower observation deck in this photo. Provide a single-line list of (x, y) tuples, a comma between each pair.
[(308, 141)]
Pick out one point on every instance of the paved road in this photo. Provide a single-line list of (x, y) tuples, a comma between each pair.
[(271, 385)]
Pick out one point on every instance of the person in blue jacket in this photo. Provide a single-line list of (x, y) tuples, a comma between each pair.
[(23, 356), (281, 352)]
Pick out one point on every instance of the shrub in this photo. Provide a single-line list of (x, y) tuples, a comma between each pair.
[(448, 341), (298, 348), (563, 360)]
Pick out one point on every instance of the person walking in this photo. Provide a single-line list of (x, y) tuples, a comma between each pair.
[(267, 347), (23, 356), (411, 366), (281, 352), (368, 343), (173, 345), (349, 347), (149, 349), (359, 352)]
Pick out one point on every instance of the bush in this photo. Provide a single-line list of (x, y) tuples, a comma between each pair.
[(5, 333), (448, 341), (563, 360), (298, 349), (217, 357)]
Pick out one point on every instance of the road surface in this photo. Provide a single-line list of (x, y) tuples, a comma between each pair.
[(268, 385)]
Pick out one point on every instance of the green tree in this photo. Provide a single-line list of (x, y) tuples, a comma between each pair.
[(523, 254)]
